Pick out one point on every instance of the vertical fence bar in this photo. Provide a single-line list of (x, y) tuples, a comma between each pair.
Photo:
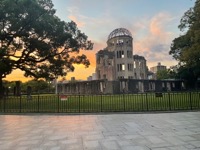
[(124, 102), (4, 104), (147, 102), (20, 104), (190, 94), (79, 103), (199, 101), (84, 107), (169, 102), (91, 109), (142, 101), (38, 103), (58, 103), (101, 102), (1, 104)]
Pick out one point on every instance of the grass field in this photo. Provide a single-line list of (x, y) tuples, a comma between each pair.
[(102, 103)]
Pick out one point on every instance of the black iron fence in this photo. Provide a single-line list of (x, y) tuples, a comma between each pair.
[(60, 103)]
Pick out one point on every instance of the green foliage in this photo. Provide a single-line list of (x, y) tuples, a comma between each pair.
[(9, 84), (37, 86), (186, 48), (36, 41), (188, 74), (162, 74), (167, 74)]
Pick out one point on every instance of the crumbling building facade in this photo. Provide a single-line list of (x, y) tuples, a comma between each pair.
[(118, 70), (117, 61)]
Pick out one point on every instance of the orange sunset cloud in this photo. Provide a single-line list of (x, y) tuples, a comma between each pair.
[(155, 44), (79, 23)]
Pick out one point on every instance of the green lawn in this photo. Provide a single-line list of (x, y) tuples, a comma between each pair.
[(103, 103)]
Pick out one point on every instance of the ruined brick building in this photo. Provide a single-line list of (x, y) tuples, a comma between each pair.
[(117, 61), (118, 70)]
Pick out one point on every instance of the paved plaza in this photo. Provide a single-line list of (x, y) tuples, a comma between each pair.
[(152, 131)]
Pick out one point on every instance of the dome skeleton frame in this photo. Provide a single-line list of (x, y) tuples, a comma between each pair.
[(119, 32)]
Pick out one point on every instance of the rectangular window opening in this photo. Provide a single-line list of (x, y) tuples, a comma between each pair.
[(123, 67), (122, 56)]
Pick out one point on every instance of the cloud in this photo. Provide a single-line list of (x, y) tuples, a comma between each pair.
[(97, 28), (156, 33), (79, 23), (155, 45), (158, 26), (151, 35), (17, 75)]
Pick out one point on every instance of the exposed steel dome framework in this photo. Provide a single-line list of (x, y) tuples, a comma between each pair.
[(119, 32)]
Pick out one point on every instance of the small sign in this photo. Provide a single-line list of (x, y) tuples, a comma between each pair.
[(158, 94), (63, 97)]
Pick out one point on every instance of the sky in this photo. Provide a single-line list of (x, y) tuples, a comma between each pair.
[(153, 24)]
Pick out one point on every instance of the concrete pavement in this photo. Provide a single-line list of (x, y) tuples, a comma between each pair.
[(156, 131)]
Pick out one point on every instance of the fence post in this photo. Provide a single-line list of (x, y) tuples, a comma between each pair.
[(124, 102), (190, 94), (58, 103), (1, 105), (20, 104), (169, 102), (199, 101), (147, 102), (38, 103), (79, 103), (101, 102), (4, 104), (143, 100)]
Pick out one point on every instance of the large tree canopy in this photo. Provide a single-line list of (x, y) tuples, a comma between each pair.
[(186, 48), (34, 40)]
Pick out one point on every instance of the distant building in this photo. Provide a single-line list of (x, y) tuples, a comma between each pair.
[(89, 78), (94, 76), (151, 75), (73, 79), (157, 68)]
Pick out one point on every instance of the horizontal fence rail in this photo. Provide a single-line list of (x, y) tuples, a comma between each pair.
[(52, 103)]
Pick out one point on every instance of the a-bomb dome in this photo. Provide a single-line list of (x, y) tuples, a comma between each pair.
[(119, 32)]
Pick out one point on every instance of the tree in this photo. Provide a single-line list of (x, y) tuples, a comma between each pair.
[(188, 75), (186, 48), (167, 74), (162, 74), (40, 86), (34, 40), (9, 85)]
